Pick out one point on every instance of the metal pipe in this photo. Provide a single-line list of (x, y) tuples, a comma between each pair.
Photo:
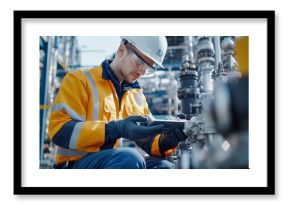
[(217, 46)]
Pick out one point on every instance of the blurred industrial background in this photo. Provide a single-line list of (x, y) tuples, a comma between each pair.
[(205, 80)]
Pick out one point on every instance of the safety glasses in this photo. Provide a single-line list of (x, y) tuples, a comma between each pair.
[(140, 63)]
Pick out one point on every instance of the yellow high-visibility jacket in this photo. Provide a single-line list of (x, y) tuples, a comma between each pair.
[(86, 101)]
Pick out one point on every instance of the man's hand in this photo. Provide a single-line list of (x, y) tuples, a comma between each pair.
[(171, 139), (130, 129)]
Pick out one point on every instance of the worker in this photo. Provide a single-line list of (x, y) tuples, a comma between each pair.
[(94, 108)]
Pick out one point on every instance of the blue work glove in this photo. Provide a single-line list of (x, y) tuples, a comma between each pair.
[(129, 129), (171, 139)]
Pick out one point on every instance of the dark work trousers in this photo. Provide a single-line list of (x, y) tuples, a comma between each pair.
[(121, 158)]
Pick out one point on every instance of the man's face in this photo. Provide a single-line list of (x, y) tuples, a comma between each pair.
[(135, 64)]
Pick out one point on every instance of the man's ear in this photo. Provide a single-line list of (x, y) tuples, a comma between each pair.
[(121, 51)]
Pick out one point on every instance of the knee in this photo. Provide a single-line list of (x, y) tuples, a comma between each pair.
[(130, 158), (165, 164), (158, 163)]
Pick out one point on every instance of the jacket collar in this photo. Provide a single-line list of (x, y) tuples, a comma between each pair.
[(108, 74)]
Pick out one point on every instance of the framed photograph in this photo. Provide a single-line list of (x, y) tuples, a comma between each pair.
[(214, 75)]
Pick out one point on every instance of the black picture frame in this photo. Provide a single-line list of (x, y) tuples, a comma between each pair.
[(19, 189)]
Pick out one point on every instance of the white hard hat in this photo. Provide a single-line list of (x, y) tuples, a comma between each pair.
[(154, 47)]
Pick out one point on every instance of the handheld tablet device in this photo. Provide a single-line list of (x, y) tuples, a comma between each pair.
[(170, 122)]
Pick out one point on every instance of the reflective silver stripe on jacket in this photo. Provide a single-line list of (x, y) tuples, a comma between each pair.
[(69, 111), (70, 152), (95, 95), (75, 135), (138, 98)]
